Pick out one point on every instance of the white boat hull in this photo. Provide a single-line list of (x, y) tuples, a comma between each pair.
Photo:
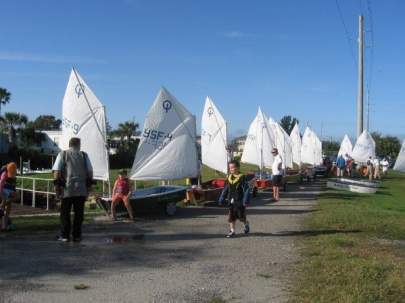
[(353, 187), (375, 184)]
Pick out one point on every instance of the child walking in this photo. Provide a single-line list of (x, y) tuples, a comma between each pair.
[(236, 192)]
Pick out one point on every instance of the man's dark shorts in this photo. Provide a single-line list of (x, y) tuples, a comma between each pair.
[(236, 213), (277, 180)]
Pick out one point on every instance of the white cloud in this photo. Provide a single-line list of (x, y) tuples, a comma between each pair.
[(45, 58), (234, 34)]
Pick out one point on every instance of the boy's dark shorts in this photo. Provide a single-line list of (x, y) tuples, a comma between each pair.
[(276, 180), (237, 213)]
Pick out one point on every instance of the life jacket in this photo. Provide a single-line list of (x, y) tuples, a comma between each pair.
[(10, 183), (122, 186), (236, 190)]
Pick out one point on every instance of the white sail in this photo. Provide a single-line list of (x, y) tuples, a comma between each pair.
[(364, 148), (318, 150), (311, 149), (346, 147), (400, 162), (214, 152), (83, 116), (259, 142), (283, 143), (296, 144), (167, 149)]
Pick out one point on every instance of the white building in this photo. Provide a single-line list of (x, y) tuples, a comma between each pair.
[(239, 144), (50, 144)]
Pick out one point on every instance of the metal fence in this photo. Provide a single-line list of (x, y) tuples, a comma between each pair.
[(47, 185)]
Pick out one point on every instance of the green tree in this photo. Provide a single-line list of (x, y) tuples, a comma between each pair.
[(386, 145), (5, 96), (128, 129), (330, 148), (287, 123), (29, 135), (46, 122), (10, 122)]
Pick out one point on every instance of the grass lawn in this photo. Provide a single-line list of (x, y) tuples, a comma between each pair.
[(358, 255)]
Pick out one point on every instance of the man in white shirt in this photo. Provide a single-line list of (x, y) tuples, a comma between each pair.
[(277, 174), (385, 164), (73, 175), (376, 164)]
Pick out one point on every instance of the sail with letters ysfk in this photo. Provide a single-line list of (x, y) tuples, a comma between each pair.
[(83, 116), (167, 149), (259, 142), (214, 151)]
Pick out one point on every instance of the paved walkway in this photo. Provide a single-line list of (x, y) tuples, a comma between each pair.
[(182, 259)]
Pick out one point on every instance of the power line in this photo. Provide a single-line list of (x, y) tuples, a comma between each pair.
[(349, 40)]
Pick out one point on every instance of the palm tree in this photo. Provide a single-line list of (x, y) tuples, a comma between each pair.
[(5, 96), (10, 121), (128, 129)]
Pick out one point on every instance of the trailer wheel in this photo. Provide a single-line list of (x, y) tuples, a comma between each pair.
[(170, 208)]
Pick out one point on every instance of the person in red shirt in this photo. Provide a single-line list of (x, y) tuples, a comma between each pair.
[(7, 193), (122, 191)]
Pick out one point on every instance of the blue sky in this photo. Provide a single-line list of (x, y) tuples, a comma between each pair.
[(289, 57)]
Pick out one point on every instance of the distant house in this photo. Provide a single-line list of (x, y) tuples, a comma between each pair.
[(115, 142), (238, 145)]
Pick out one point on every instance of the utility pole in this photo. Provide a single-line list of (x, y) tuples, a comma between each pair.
[(368, 110), (360, 91)]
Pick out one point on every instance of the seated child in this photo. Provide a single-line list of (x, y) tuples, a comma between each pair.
[(122, 191)]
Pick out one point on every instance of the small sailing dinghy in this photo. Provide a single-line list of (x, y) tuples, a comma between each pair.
[(214, 152), (83, 116), (346, 147), (296, 144), (258, 146), (167, 151), (283, 144), (311, 154), (352, 185), (364, 148), (285, 148), (400, 162), (311, 149), (361, 182)]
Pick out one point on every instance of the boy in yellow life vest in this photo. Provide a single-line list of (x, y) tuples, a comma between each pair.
[(236, 192)]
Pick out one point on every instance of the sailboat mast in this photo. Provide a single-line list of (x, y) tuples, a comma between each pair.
[(360, 89), (108, 154), (261, 153)]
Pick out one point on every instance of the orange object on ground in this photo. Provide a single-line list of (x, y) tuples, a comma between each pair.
[(262, 184)]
